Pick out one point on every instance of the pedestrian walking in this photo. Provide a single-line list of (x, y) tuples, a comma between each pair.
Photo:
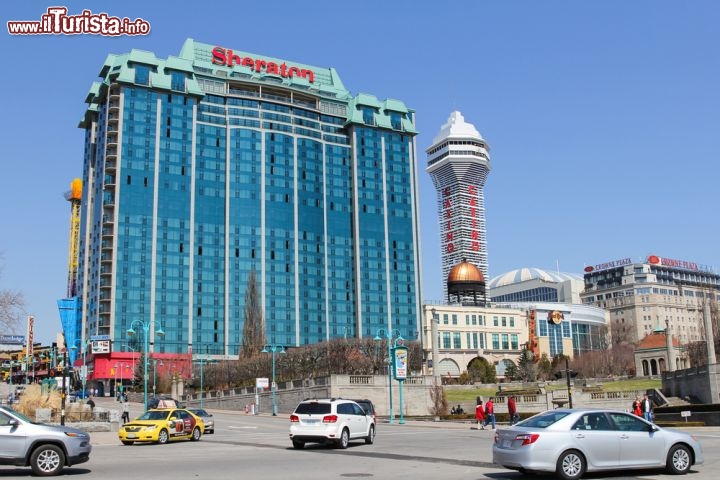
[(125, 411), (489, 413), (512, 411), (637, 406), (480, 415)]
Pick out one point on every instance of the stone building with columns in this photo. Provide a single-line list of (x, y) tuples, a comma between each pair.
[(657, 353)]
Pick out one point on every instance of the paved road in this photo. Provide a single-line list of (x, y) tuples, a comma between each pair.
[(258, 447)]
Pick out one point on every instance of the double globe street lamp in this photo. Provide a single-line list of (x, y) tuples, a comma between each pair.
[(272, 349), (394, 340), (145, 325)]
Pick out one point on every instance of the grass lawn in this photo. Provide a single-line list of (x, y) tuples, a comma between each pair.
[(465, 395)]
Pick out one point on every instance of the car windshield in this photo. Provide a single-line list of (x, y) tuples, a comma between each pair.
[(367, 406), (543, 420), (154, 415), (199, 412), (313, 408)]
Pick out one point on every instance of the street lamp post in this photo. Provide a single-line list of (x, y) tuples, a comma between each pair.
[(84, 367), (392, 337), (146, 330), (115, 369), (155, 364), (272, 349)]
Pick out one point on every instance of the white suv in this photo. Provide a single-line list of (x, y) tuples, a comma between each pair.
[(331, 420)]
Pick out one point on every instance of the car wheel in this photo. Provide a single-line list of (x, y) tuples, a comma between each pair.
[(298, 444), (570, 465), (126, 442), (344, 438), (47, 460), (679, 460), (163, 437), (196, 434), (371, 435)]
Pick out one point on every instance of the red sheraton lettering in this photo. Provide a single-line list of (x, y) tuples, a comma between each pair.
[(222, 56)]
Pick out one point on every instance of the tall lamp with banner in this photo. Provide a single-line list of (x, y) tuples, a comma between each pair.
[(400, 357)]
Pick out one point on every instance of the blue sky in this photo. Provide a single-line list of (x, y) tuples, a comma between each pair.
[(603, 117)]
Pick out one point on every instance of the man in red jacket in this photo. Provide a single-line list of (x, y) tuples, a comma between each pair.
[(512, 410), (489, 413)]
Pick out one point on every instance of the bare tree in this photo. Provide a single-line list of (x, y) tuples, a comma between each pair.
[(12, 308), (253, 337)]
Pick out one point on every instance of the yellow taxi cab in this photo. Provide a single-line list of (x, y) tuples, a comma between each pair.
[(162, 425)]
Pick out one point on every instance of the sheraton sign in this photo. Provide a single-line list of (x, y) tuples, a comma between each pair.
[(224, 56)]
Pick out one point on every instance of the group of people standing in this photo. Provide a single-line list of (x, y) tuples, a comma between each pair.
[(485, 414), (642, 407)]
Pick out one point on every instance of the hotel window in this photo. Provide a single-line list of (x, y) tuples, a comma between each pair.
[(368, 116), (445, 318), (454, 319), (512, 321), (177, 81), (495, 321), (457, 344), (504, 321), (142, 75), (395, 121), (505, 341), (496, 341), (514, 341), (446, 340)]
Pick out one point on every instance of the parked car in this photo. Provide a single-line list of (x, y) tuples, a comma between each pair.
[(334, 420), (46, 449), (162, 426), (207, 417), (368, 406), (571, 442)]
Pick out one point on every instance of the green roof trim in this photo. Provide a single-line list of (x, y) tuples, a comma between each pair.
[(141, 56), (394, 105), (196, 60), (179, 64), (368, 100)]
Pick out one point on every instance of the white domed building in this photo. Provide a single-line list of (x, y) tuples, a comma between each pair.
[(557, 319)]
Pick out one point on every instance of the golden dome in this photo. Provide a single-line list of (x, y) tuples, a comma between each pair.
[(465, 272)]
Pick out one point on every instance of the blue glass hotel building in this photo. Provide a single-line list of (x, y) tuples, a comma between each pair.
[(205, 168)]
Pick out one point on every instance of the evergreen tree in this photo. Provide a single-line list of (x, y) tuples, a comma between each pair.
[(544, 367), (526, 367), (253, 337)]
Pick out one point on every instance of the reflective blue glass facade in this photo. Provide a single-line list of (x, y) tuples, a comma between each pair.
[(198, 175)]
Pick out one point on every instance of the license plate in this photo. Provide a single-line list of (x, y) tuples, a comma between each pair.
[(131, 435), (506, 443), (311, 422)]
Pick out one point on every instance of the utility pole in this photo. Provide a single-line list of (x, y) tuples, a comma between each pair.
[(567, 377), (63, 394)]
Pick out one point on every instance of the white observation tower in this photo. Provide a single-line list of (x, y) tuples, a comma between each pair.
[(458, 163)]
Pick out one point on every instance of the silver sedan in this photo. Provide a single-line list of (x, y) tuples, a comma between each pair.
[(207, 417), (571, 442)]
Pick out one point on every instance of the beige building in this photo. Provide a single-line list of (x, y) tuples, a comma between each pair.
[(642, 296), (468, 332)]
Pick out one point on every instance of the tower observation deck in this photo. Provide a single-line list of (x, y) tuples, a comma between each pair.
[(458, 163)]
